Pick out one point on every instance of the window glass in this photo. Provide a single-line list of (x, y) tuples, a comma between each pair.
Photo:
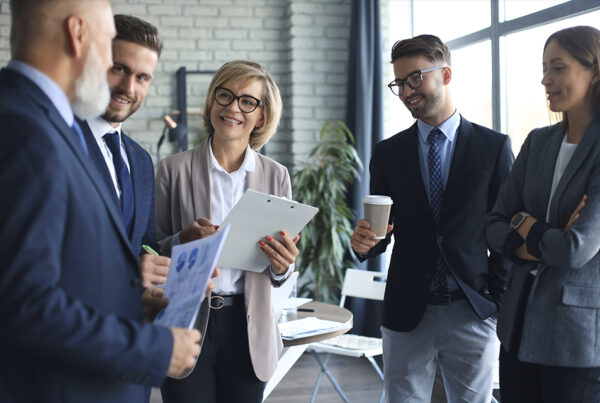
[(396, 116), (472, 82), (450, 19), (523, 97), (511, 9)]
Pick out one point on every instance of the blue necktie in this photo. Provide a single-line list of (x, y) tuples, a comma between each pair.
[(127, 205), (436, 195), (80, 137)]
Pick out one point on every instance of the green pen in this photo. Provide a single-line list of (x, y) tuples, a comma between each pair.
[(150, 250)]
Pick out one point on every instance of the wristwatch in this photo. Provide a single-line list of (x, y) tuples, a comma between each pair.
[(518, 219)]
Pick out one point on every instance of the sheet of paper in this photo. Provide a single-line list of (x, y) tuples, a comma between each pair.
[(354, 342), (310, 326), (191, 267)]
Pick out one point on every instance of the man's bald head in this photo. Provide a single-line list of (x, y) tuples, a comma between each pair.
[(36, 21), (68, 40), (32, 19)]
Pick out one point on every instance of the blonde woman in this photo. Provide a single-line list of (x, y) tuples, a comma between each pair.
[(195, 190)]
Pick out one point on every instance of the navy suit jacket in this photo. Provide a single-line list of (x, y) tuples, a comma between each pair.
[(481, 162), (142, 178), (70, 291)]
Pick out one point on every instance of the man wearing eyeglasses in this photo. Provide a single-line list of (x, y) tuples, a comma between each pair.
[(443, 287)]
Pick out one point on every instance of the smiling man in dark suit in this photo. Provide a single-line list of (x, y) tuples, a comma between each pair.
[(71, 309), (129, 174), (443, 175)]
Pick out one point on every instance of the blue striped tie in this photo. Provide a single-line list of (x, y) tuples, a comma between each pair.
[(436, 195), (127, 203)]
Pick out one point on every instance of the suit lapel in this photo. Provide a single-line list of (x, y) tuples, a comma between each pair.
[(584, 148), (98, 159), (254, 284), (409, 155), (54, 117), (547, 165), (70, 139), (256, 179), (136, 180), (200, 169), (460, 161)]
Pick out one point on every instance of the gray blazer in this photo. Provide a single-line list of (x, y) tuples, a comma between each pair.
[(561, 324), (182, 196)]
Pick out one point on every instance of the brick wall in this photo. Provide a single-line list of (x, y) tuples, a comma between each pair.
[(303, 43)]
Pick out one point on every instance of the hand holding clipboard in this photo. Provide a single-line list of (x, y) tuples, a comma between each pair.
[(255, 216), (281, 253)]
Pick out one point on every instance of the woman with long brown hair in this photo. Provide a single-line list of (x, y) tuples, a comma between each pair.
[(547, 219)]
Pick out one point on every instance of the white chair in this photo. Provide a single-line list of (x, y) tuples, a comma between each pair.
[(358, 284)]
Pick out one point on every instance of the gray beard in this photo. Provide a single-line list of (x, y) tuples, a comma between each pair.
[(91, 88)]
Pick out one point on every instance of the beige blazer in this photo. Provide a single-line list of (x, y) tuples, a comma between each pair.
[(182, 196)]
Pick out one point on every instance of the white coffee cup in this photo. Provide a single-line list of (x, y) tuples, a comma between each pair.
[(377, 213)]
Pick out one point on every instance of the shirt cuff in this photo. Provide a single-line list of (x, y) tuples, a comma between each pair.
[(536, 232), (512, 242), (175, 240), (360, 256), (280, 278)]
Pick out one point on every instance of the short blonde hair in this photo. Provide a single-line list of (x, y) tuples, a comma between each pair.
[(271, 99)]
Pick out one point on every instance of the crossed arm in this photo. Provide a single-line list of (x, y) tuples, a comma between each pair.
[(522, 252)]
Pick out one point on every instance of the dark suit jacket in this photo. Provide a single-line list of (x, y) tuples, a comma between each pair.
[(142, 178), (71, 299), (482, 160)]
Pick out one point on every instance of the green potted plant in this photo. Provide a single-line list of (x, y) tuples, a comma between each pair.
[(322, 181)]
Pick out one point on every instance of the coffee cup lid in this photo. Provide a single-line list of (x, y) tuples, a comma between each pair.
[(377, 199)]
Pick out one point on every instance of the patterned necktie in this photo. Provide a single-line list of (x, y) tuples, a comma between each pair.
[(127, 203), (436, 195)]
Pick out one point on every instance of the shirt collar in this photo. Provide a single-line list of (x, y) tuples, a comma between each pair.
[(100, 127), (248, 165), (50, 88), (449, 127)]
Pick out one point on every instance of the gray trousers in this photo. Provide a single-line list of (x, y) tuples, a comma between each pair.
[(465, 348)]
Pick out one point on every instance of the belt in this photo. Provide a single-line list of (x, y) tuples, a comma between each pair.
[(447, 298), (221, 301)]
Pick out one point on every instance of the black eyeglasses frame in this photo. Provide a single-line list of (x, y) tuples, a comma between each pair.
[(259, 103), (399, 82)]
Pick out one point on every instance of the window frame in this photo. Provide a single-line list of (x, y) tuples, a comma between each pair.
[(498, 29)]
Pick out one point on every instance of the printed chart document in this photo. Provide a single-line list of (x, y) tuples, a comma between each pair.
[(192, 265), (310, 326), (254, 217)]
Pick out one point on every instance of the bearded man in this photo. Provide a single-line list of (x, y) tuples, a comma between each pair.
[(443, 288), (70, 282), (128, 172)]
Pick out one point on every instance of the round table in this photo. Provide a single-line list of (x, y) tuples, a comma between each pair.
[(293, 349), (321, 310)]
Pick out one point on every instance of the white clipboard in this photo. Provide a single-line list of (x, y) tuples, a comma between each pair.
[(254, 217)]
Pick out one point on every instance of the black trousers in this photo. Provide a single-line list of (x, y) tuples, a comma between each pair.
[(224, 372), (523, 382)]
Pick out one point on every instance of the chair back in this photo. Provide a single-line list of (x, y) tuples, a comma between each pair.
[(363, 284)]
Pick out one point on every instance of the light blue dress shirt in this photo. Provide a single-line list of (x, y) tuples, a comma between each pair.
[(450, 130)]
